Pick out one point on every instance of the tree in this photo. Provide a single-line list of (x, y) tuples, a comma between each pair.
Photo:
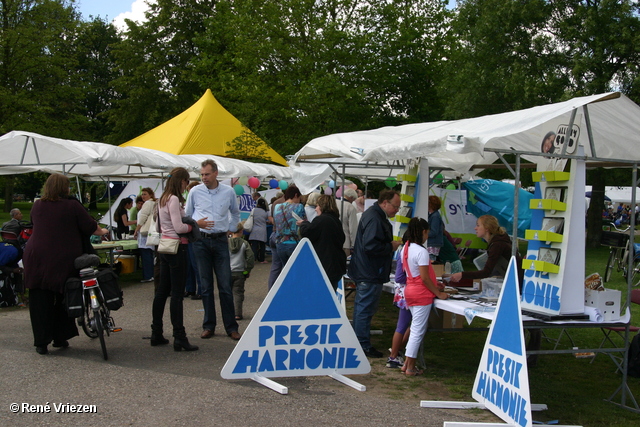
[(155, 64), (95, 70), (293, 70), (36, 67), (501, 58)]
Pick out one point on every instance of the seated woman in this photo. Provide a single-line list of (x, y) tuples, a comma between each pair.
[(498, 251)]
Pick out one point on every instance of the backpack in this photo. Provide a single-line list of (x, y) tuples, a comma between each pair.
[(633, 366)]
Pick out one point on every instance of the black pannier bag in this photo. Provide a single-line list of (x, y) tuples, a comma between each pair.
[(108, 281), (73, 297)]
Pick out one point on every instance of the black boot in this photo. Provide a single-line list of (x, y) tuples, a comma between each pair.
[(183, 344), (158, 339)]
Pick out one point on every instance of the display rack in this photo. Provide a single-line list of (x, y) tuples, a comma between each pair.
[(408, 179), (554, 265)]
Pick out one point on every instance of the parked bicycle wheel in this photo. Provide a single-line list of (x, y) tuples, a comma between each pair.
[(612, 260), (100, 327)]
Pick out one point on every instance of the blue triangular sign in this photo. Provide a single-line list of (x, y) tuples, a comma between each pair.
[(299, 330), (502, 381)]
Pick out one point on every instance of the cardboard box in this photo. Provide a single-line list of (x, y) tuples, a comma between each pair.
[(439, 269), (128, 263), (440, 319), (607, 302)]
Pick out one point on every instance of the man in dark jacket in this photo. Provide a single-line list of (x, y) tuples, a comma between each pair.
[(371, 264)]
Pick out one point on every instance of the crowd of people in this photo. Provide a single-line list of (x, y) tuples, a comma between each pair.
[(202, 221)]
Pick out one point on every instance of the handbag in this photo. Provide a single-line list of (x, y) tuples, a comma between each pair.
[(248, 224), (153, 235), (168, 246), (144, 230)]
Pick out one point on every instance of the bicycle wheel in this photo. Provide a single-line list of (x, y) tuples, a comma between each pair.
[(609, 267), (87, 323), (98, 319)]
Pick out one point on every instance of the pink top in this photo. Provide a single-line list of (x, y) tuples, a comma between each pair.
[(171, 220), (416, 292)]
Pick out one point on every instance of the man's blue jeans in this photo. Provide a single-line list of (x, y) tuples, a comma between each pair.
[(364, 307), (212, 255)]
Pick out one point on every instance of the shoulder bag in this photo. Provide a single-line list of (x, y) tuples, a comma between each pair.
[(248, 224), (153, 234)]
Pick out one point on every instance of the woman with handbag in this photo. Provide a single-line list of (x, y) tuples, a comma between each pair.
[(144, 219), (172, 257), (258, 229), (420, 290)]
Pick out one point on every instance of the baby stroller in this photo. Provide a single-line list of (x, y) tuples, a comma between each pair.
[(10, 274)]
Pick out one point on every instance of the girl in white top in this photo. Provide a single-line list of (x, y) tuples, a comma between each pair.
[(420, 289)]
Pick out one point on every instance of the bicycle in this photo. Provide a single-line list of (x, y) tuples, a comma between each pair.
[(618, 244), (96, 317)]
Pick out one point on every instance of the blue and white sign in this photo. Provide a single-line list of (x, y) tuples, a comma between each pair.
[(299, 330), (502, 381)]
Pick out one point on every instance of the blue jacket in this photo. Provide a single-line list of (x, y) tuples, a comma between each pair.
[(372, 250), (436, 230)]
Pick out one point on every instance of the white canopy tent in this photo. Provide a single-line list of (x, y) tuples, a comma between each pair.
[(24, 152), (608, 125)]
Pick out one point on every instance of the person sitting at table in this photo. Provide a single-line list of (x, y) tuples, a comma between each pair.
[(421, 289), (121, 217), (498, 251), (499, 255)]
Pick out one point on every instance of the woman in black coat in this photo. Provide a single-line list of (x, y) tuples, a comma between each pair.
[(61, 226), (326, 234)]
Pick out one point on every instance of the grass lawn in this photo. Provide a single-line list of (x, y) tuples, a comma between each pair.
[(573, 389)]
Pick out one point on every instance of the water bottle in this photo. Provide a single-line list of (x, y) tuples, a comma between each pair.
[(447, 268)]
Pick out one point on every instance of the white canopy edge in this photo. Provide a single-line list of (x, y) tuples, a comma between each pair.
[(608, 126), (24, 152)]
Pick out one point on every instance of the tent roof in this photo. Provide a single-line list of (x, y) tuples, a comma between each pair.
[(24, 152), (460, 144), (206, 128)]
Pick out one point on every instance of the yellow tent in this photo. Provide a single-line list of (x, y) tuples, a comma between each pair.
[(206, 128)]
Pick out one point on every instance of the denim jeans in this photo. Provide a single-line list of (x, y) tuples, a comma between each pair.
[(146, 256), (212, 255), (284, 251), (173, 271), (193, 277), (364, 307), (276, 266)]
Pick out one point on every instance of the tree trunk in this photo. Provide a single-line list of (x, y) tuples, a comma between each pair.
[(594, 213), (93, 206), (8, 192)]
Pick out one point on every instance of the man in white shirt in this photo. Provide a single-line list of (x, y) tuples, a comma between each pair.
[(218, 204)]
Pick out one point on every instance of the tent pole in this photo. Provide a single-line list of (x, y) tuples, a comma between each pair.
[(569, 128), (516, 195), (587, 120)]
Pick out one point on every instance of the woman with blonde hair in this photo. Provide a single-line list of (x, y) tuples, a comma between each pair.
[(173, 268), (61, 231), (144, 215), (498, 251)]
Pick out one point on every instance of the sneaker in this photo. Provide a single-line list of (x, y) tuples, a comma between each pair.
[(146, 280), (373, 353), (394, 362)]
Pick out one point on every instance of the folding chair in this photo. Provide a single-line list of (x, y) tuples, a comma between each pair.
[(610, 331)]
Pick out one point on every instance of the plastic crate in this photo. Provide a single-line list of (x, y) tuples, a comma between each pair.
[(612, 238)]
